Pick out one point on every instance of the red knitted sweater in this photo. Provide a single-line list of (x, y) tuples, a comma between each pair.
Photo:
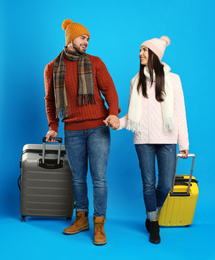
[(82, 117)]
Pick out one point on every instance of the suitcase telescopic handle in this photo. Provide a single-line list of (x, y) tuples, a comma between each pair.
[(59, 140), (180, 155)]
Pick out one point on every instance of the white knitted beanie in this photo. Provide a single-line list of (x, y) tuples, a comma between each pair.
[(158, 46)]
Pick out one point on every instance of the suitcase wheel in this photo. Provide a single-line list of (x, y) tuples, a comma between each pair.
[(23, 218), (68, 218)]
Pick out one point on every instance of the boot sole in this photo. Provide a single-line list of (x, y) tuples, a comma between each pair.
[(75, 232), (155, 241), (99, 243)]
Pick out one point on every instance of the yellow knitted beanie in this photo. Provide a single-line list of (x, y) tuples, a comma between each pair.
[(73, 30)]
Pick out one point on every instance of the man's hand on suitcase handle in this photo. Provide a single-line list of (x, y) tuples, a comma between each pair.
[(49, 134), (185, 152)]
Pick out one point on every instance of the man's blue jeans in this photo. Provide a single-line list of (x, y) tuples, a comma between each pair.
[(154, 197), (93, 144)]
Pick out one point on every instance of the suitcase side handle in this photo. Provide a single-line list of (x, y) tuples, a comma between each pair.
[(180, 155), (19, 182)]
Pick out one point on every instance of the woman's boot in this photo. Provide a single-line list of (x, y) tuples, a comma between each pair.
[(154, 233), (148, 224)]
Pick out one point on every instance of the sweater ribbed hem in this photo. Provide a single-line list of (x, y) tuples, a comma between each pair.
[(74, 126)]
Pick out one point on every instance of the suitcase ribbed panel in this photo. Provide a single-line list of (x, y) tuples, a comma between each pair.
[(179, 210), (45, 192)]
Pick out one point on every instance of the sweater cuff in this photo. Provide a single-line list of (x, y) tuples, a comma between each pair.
[(182, 147), (53, 126), (115, 112)]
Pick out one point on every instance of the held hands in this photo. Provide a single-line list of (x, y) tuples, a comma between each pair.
[(49, 134), (185, 152), (112, 121)]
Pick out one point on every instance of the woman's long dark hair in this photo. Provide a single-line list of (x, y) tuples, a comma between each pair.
[(153, 64)]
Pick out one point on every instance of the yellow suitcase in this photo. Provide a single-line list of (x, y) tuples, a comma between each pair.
[(180, 204)]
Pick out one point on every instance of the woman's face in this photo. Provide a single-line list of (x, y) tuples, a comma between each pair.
[(144, 55)]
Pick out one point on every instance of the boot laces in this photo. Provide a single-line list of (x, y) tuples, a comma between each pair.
[(77, 222), (99, 227)]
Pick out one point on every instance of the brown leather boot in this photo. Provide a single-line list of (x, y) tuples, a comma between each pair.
[(99, 232), (80, 224)]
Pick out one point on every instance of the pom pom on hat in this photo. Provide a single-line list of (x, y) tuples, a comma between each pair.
[(166, 39), (66, 23), (158, 46), (73, 30)]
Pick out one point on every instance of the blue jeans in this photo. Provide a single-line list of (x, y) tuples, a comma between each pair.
[(154, 197), (93, 144)]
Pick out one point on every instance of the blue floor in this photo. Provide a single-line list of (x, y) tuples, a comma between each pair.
[(127, 238)]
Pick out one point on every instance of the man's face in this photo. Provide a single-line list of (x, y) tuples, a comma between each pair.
[(79, 44)]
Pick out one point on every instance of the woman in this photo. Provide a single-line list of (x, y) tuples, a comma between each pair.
[(157, 116)]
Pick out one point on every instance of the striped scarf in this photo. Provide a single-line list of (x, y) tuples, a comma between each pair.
[(85, 78)]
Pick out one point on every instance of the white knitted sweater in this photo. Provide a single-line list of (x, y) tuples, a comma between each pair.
[(152, 131)]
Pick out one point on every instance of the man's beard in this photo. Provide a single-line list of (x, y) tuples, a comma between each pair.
[(77, 49)]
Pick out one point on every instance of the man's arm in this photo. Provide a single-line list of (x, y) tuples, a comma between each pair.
[(50, 103), (107, 87)]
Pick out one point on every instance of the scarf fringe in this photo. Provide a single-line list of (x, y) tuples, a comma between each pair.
[(133, 126), (86, 100), (169, 124)]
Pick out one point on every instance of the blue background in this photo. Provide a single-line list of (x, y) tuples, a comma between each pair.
[(31, 36)]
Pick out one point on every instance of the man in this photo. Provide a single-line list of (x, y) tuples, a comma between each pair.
[(74, 82)]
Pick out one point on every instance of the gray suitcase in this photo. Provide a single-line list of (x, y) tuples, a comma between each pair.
[(45, 181)]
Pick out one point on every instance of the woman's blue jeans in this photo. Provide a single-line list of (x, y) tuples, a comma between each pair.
[(155, 195), (93, 144)]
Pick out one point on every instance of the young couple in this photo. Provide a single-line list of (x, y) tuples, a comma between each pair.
[(74, 82)]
